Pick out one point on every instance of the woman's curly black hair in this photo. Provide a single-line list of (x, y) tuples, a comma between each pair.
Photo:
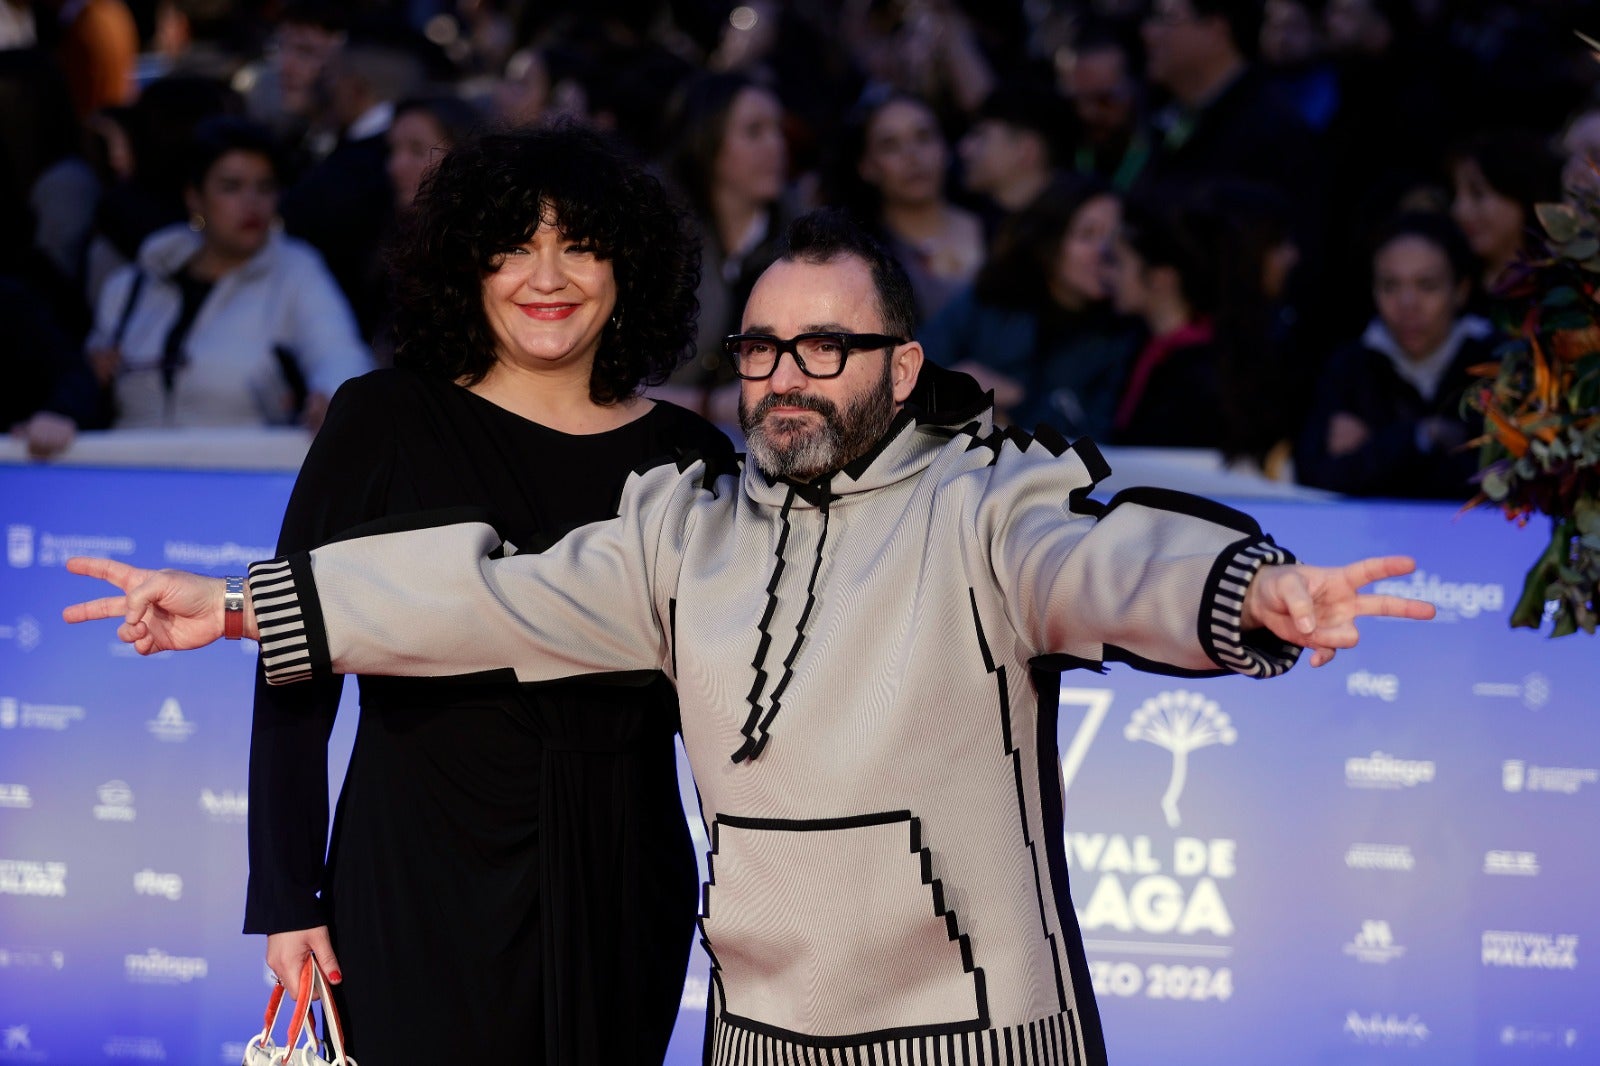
[(489, 194)]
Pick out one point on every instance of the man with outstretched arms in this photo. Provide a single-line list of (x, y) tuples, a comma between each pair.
[(853, 620)]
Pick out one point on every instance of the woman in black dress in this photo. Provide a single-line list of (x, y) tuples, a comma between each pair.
[(509, 878)]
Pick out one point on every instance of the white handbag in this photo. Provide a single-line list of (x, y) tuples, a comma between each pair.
[(301, 1047)]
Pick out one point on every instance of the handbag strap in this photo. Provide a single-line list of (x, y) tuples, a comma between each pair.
[(331, 1026), (302, 1004)]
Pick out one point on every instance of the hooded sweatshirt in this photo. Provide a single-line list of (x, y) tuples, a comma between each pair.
[(857, 660)]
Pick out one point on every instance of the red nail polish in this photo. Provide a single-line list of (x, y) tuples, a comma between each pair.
[(334, 977)]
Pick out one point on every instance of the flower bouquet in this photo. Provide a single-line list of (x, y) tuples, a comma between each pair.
[(1540, 402)]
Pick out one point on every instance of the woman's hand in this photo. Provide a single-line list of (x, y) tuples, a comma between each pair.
[(286, 953), (1317, 606), (162, 610)]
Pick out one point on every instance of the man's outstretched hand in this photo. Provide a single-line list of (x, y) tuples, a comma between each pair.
[(1317, 606), (162, 610)]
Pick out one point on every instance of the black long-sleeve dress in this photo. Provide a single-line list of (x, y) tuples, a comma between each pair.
[(509, 877)]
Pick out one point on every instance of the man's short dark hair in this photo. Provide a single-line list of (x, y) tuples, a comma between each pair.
[(1243, 18), (1034, 109), (827, 234)]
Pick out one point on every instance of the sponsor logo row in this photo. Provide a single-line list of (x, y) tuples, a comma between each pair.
[(169, 723), (27, 546), (31, 877), (1382, 770), (1533, 691), (114, 802), (1375, 943), (1399, 858)]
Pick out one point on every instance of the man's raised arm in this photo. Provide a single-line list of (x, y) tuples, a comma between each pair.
[(432, 601)]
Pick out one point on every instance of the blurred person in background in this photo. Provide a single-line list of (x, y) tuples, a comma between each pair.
[(1162, 272), (730, 162), (929, 49), (222, 321), (1387, 418), (285, 90), (145, 189), (423, 130), (1012, 151), (343, 205), (1497, 178), (891, 177), (1294, 57), (1036, 326), (1580, 152), (540, 85), (97, 43), (1100, 75)]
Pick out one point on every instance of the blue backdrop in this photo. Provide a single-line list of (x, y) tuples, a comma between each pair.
[(1391, 858)]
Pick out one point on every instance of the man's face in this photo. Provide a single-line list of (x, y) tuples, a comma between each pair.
[(991, 154), (1176, 41), (1102, 93), (802, 427)]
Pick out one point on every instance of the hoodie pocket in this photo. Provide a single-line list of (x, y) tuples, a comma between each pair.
[(829, 928)]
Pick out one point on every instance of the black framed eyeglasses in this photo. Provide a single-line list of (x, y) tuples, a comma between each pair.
[(818, 355)]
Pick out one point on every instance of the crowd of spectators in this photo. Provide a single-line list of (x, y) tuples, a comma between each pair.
[(1279, 229)]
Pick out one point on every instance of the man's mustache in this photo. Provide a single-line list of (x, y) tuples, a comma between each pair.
[(826, 408)]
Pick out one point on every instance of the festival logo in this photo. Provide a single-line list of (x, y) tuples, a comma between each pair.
[(18, 714), (227, 806), (19, 546), (1386, 1030), (1382, 770), (23, 877), (16, 1044), (1530, 951), (1559, 1038), (1533, 690), (191, 556), (116, 803), (1454, 600), (1374, 943), (26, 958), (156, 967), (1519, 776), (1397, 857), (26, 632), (1511, 863), (169, 724), (140, 1048), (1181, 722), (1385, 687), (54, 549), (150, 883)]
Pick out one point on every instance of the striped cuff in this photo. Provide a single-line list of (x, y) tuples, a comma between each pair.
[(1259, 653), (292, 645)]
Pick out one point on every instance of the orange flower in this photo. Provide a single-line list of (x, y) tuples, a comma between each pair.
[(1571, 344)]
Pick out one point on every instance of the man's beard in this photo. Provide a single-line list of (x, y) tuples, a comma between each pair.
[(802, 449)]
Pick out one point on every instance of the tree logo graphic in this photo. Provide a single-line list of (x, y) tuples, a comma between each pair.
[(1181, 722)]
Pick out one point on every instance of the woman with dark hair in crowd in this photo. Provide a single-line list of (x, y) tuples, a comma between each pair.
[(1497, 178), (1387, 419), (730, 161), (891, 176), (1162, 271), (1036, 326), (224, 321), (509, 878), (423, 129)]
